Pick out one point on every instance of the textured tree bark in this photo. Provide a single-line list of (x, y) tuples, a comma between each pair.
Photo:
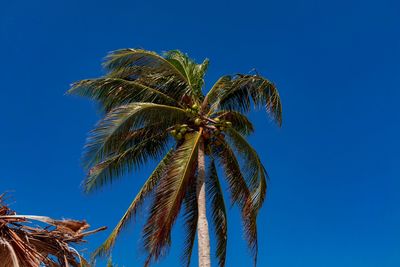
[(203, 237)]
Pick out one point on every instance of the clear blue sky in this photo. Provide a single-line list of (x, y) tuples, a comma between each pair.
[(334, 165)]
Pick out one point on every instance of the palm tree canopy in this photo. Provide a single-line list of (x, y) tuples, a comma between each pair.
[(156, 108)]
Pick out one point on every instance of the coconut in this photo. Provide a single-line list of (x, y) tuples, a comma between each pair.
[(183, 130)]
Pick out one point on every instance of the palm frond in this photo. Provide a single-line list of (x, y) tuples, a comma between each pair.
[(148, 68), (193, 72), (254, 169), (215, 92), (114, 92), (145, 191), (162, 82), (130, 159), (200, 72), (239, 121), (215, 194), (124, 119), (240, 194), (143, 59), (169, 196), (233, 174), (121, 141), (190, 216), (238, 93), (26, 245)]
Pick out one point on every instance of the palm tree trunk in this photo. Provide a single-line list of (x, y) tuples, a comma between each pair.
[(203, 237)]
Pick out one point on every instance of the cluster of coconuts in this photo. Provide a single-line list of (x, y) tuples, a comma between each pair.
[(194, 110), (221, 125), (179, 131)]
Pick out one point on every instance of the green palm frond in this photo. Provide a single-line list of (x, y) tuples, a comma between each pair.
[(130, 159), (254, 169), (113, 92), (240, 194), (124, 119), (144, 60), (239, 121), (148, 68), (193, 72), (238, 93), (169, 196), (190, 218), (215, 92), (122, 141), (130, 213), (233, 174), (215, 194)]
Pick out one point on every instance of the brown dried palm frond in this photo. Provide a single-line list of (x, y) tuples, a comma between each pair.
[(24, 244)]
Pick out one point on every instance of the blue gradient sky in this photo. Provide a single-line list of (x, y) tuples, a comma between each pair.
[(334, 165)]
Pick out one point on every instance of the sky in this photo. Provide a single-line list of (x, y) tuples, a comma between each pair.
[(333, 195)]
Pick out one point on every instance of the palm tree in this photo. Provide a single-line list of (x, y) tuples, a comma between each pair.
[(155, 108), (22, 244)]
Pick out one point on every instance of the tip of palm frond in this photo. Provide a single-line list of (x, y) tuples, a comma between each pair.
[(276, 113), (89, 184), (103, 251), (278, 122), (114, 58), (274, 104), (71, 91), (113, 53), (147, 262), (75, 86)]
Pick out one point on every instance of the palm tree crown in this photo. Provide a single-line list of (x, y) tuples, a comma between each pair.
[(155, 108)]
